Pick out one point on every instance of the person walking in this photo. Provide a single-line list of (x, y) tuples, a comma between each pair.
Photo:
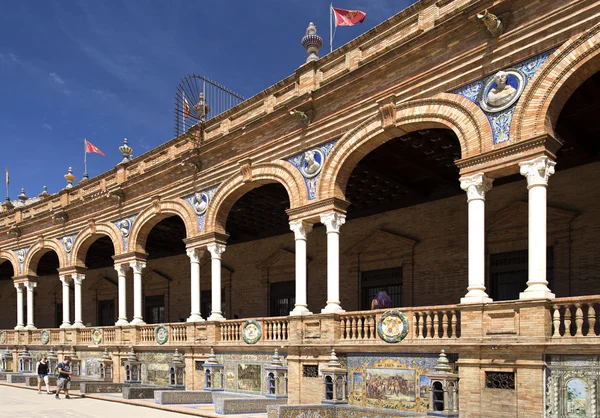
[(64, 378), (42, 369)]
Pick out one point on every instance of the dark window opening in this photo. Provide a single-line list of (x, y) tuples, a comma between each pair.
[(282, 298), (388, 280), (106, 312), (206, 303), (155, 309), (309, 370), (509, 273)]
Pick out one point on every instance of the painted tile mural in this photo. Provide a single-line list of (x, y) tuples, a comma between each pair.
[(245, 372), (396, 382)]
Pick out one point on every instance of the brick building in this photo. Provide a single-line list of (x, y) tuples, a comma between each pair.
[(447, 156)]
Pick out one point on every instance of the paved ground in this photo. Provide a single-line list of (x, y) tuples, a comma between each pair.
[(23, 403)]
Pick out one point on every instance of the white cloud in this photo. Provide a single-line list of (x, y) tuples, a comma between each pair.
[(45, 125), (54, 77)]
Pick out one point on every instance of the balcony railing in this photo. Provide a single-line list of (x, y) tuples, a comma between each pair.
[(553, 322)]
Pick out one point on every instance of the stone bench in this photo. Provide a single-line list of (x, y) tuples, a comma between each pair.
[(169, 397), (4, 375), (295, 411), (99, 387), (33, 381), (233, 404), (17, 378), (143, 392)]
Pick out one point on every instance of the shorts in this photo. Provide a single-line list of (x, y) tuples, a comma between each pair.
[(42, 376), (63, 383)]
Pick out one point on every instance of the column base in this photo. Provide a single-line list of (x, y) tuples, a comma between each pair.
[(195, 318), (78, 325), (216, 316), (137, 321), (121, 322), (300, 310), (20, 327), (30, 326), (65, 325), (537, 294), (476, 296), (332, 307)]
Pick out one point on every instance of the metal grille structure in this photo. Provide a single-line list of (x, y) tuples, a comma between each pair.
[(198, 100)]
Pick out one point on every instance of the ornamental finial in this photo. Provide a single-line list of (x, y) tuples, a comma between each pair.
[(126, 150), (70, 178), (312, 42)]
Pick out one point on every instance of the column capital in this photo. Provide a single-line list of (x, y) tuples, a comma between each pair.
[(121, 268), (216, 250), (30, 285), (476, 186), (537, 171), (301, 229), (137, 266), (19, 286), (195, 254), (333, 221), (65, 279), (78, 278)]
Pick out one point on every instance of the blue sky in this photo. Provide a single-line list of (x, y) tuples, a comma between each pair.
[(105, 70)]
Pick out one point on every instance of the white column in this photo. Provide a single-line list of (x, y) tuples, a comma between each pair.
[(77, 281), (30, 286), (137, 266), (476, 187), (65, 302), (20, 323), (537, 172), (215, 251), (333, 221), (121, 273), (301, 230), (195, 254)]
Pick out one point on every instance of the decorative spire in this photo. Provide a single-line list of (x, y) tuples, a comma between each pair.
[(105, 355), (23, 197), (177, 357), (333, 363), (44, 193), (312, 42), (443, 365), (126, 150), (131, 356), (212, 359), (201, 107), (70, 178), (276, 360)]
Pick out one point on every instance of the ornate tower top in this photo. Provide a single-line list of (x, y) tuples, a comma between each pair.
[(312, 42)]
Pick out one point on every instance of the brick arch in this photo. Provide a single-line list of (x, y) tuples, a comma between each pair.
[(544, 97), (12, 259), (156, 212), (444, 110), (37, 250), (85, 239), (237, 185)]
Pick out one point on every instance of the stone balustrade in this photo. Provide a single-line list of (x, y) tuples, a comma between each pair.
[(575, 317), (531, 321)]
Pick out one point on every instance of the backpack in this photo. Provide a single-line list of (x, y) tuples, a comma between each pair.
[(56, 369)]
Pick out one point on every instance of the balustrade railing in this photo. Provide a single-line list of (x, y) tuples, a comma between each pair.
[(178, 333), (575, 317), (85, 335), (231, 331), (431, 323), (147, 333), (275, 330)]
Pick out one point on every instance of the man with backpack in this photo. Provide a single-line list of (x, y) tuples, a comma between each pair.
[(64, 378)]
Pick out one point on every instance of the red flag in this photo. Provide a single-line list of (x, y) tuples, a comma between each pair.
[(7, 180), (345, 17), (89, 147)]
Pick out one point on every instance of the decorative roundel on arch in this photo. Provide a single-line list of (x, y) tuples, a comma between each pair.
[(199, 202), (502, 90), (251, 332), (97, 336), (312, 163), (162, 334), (392, 326), (45, 336)]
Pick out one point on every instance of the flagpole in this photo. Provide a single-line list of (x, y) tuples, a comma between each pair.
[(84, 158), (330, 27)]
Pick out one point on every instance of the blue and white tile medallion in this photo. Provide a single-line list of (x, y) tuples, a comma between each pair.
[(310, 163), (124, 226), (199, 202)]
